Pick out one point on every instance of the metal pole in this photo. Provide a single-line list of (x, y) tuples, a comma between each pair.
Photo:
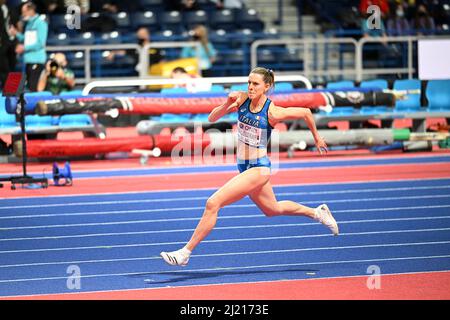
[(359, 62), (410, 59), (22, 103), (306, 59), (299, 15), (144, 61), (87, 66), (280, 13)]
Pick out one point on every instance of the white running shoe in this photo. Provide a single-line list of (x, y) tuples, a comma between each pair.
[(324, 216), (177, 258)]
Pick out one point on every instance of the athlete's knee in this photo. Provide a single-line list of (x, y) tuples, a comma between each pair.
[(212, 205)]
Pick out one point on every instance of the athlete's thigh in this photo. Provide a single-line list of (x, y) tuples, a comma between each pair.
[(264, 198), (241, 185)]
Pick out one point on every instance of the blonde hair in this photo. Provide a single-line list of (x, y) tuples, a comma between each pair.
[(267, 74), (202, 34)]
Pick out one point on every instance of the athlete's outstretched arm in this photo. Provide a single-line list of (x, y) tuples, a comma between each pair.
[(234, 100), (277, 114)]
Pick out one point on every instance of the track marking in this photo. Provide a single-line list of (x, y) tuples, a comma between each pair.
[(217, 228), (230, 268), (225, 254), (438, 196), (197, 218), (219, 241), (356, 182), (97, 203)]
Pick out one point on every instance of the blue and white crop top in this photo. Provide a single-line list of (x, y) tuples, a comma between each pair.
[(254, 129)]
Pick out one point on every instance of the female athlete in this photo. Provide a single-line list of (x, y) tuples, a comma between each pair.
[(257, 115)]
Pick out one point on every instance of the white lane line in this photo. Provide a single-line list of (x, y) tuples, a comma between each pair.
[(97, 203), (309, 184), (226, 254), (219, 241), (363, 210), (97, 213), (146, 272), (77, 236)]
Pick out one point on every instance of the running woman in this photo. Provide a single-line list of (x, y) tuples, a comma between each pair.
[(257, 115)]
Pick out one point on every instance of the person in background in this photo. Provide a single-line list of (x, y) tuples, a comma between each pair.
[(181, 73), (230, 4), (7, 54), (191, 86), (397, 24), (373, 51), (56, 77), (143, 38), (372, 31), (189, 5), (110, 6), (100, 16), (84, 5), (207, 53), (382, 4), (32, 43), (50, 6), (181, 5), (423, 22), (409, 8)]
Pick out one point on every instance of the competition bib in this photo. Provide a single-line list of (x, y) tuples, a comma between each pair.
[(30, 38), (249, 134)]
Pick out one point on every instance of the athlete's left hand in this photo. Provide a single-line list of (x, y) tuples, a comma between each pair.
[(321, 145)]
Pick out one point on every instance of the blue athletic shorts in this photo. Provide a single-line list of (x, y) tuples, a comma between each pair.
[(247, 164)]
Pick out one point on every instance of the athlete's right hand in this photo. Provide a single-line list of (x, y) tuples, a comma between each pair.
[(321, 145), (233, 101)]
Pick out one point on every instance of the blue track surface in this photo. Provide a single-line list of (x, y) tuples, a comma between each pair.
[(115, 240)]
